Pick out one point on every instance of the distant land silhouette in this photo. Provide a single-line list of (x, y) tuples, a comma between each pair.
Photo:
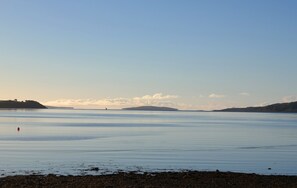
[(151, 108), (279, 107), (15, 104), (60, 107)]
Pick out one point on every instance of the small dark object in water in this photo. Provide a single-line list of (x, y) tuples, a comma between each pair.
[(269, 168), (18, 129), (95, 169)]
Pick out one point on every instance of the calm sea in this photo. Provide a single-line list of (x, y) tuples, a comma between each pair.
[(75, 141)]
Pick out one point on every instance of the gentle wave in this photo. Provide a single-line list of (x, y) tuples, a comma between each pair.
[(268, 147), (48, 138)]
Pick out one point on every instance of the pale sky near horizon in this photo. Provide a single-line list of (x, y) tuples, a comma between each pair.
[(193, 54)]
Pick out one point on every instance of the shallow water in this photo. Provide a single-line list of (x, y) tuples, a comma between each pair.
[(75, 141)]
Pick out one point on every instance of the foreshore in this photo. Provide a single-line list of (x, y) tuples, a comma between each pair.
[(160, 179)]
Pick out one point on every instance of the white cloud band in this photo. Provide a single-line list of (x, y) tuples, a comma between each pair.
[(213, 96), (156, 99)]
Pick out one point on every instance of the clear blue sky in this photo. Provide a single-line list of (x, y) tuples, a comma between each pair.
[(199, 54)]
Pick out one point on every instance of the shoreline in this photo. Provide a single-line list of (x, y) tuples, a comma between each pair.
[(154, 179)]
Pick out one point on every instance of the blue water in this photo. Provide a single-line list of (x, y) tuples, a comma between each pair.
[(74, 141)]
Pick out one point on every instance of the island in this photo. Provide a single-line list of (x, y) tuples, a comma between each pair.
[(151, 108), (15, 104), (278, 107)]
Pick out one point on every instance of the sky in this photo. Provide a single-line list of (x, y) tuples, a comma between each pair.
[(193, 54)]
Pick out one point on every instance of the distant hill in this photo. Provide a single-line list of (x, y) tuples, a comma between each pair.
[(151, 108), (14, 104), (279, 107)]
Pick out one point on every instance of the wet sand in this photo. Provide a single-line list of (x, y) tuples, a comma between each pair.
[(163, 179)]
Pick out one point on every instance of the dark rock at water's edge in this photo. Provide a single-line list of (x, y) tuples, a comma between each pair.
[(15, 104), (279, 107), (151, 108)]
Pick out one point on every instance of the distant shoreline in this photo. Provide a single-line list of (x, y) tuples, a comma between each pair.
[(273, 108), (151, 108)]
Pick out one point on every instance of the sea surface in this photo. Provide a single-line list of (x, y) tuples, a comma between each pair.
[(78, 142)]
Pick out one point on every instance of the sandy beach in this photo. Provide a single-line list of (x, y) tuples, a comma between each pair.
[(163, 179)]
